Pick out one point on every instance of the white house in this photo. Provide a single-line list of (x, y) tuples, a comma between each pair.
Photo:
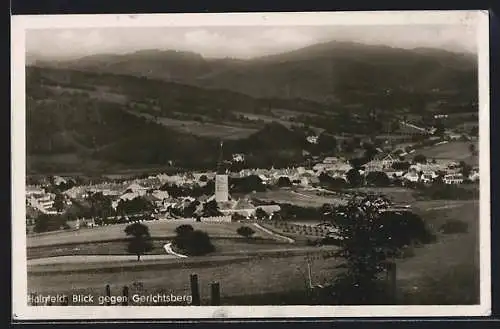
[(453, 179), (42, 202), (428, 176), (312, 139), (238, 157), (412, 176), (474, 176)]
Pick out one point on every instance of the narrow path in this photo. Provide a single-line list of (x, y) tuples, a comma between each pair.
[(169, 251), (276, 235)]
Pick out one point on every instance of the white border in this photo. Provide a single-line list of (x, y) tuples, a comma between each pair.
[(19, 278)]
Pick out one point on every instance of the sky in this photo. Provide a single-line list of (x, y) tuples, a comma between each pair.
[(240, 41)]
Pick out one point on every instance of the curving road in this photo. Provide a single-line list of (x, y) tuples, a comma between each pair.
[(169, 251)]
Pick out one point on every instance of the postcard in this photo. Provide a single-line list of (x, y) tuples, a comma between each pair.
[(250, 165)]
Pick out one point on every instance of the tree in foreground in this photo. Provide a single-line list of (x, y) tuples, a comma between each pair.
[(369, 237), (245, 231), (140, 239)]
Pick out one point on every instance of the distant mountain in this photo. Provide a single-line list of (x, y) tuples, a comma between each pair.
[(327, 72)]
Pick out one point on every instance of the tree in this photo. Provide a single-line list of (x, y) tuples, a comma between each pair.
[(404, 165), (247, 184), (46, 223), (260, 214), (211, 209), (236, 217), (140, 239), (284, 181), (184, 229), (59, 202), (474, 131), (465, 169), (367, 240), (440, 128), (472, 149), (100, 205), (420, 158), (378, 178), (193, 243), (327, 143), (354, 177), (134, 206), (245, 231)]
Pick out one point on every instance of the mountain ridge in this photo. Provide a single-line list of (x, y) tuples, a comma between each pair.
[(318, 72)]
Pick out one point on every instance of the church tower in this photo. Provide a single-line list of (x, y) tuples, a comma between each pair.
[(221, 180)]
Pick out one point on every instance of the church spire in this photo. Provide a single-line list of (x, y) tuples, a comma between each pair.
[(220, 161)]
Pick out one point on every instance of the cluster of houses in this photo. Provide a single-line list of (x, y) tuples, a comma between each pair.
[(149, 188), (417, 172), (39, 200)]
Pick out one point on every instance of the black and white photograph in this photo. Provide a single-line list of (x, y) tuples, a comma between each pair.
[(250, 165)]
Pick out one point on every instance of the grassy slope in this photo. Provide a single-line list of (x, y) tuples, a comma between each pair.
[(458, 151), (158, 229)]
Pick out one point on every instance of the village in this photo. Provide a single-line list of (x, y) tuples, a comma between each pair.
[(168, 196)]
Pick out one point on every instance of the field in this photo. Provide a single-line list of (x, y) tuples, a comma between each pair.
[(205, 129), (395, 194), (157, 229), (458, 151), (448, 269), (244, 277), (119, 247), (297, 197)]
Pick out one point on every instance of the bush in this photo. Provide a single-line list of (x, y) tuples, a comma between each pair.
[(194, 243), (405, 229), (454, 226), (245, 231), (184, 229), (378, 178), (47, 223)]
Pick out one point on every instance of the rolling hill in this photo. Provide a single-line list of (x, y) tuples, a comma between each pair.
[(79, 122), (332, 72)]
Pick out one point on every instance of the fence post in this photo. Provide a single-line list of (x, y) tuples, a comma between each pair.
[(125, 296), (195, 290), (215, 293), (108, 295), (391, 279)]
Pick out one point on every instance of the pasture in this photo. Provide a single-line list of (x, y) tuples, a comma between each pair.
[(299, 197), (447, 270), (455, 150), (157, 229), (205, 129), (395, 194)]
